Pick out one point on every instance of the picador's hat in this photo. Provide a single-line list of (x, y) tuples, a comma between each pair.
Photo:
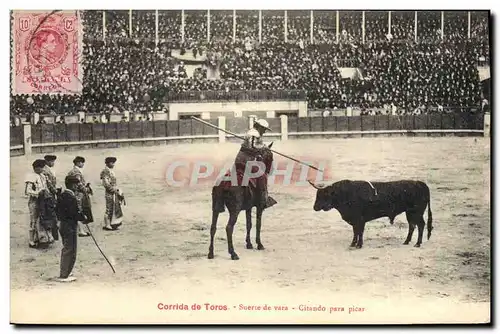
[(263, 123), (50, 157), (109, 159), (78, 159), (39, 163)]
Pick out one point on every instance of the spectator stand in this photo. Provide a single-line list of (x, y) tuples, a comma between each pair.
[(133, 59)]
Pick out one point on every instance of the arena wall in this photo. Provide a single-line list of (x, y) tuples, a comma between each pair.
[(54, 137)]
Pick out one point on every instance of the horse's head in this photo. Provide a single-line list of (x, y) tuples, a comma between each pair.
[(267, 158)]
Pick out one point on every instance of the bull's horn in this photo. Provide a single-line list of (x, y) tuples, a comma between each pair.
[(314, 185)]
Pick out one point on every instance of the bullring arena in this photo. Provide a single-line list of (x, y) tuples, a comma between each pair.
[(160, 254), (373, 96)]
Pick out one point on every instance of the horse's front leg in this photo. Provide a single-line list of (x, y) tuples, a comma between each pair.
[(249, 228), (233, 217), (213, 229), (260, 246)]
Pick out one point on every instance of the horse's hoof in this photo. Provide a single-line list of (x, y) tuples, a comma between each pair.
[(417, 245), (359, 246), (234, 256), (406, 243), (352, 245), (210, 256), (249, 246), (260, 247)]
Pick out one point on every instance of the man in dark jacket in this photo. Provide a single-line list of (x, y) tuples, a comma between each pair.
[(70, 214)]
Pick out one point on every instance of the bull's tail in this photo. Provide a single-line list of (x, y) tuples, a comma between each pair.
[(429, 218)]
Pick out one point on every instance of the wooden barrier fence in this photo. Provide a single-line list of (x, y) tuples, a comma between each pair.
[(51, 137)]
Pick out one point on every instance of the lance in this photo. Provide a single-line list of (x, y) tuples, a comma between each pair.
[(240, 137), (100, 250)]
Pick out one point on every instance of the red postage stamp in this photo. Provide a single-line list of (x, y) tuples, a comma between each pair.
[(47, 47)]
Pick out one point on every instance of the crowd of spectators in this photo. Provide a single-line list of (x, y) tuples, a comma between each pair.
[(350, 25), (455, 26), (273, 26), (403, 25), (129, 71), (479, 26), (422, 75), (286, 66), (169, 25), (143, 24), (92, 23), (376, 25), (325, 27), (222, 22), (429, 26), (195, 25), (247, 26), (117, 25), (409, 75), (298, 25)]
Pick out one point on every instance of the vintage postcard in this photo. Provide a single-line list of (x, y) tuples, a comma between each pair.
[(250, 166)]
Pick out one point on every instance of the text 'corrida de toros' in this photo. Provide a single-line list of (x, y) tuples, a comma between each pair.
[(194, 307)]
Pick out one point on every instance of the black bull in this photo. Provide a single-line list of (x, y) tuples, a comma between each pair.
[(359, 202)]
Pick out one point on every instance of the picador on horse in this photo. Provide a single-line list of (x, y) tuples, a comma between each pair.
[(254, 149), (243, 197)]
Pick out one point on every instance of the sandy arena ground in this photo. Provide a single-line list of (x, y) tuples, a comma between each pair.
[(160, 253)]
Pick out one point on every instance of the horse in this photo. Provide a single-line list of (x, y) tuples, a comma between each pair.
[(239, 198)]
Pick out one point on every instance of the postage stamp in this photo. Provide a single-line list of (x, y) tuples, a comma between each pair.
[(46, 52)]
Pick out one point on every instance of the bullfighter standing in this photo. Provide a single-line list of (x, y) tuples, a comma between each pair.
[(35, 188), (113, 218), (82, 193), (50, 175)]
